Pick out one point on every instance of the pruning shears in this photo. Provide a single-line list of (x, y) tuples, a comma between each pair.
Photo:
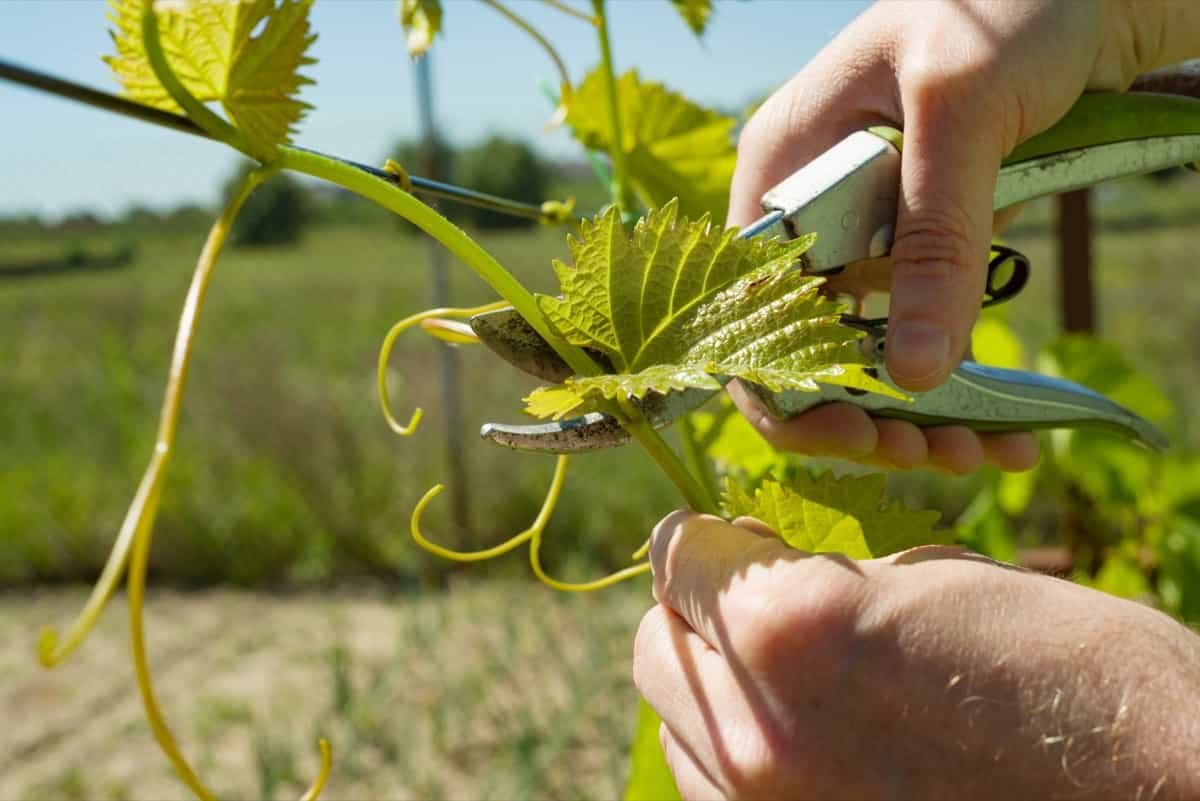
[(849, 196)]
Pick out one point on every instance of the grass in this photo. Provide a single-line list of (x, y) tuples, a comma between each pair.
[(285, 469), (441, 695)]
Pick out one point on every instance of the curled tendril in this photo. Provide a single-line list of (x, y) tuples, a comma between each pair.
[(642, 550), (558, 212), (385, 353), (532, 535), (450, 331), (393, 167)]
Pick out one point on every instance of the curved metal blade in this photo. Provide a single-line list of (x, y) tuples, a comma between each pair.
[(594, 431), (510, 337), (984, 398)]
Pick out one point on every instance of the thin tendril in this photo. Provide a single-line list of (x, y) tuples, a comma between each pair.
[(323, 774), (535, 562), (144, 506), (574, 12), (642, 550), (450, 331), (143, 517), (534, 530), (537, 36), (385, 353)]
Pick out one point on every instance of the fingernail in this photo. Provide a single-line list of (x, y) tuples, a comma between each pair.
[(916, 351)]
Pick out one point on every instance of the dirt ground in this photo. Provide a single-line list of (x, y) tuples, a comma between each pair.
[(485, 691)]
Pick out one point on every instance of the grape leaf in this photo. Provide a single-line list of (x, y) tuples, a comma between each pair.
[(673, 148), (694, 12), (677, 302), (827, 514), (213, 50), (728, 438), (422, 22)]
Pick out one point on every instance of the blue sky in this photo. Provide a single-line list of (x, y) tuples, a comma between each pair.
[(57, 157)]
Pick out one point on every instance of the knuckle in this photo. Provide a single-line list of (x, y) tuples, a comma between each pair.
[(798, 613), (757, 768), (933, 243), (932, 77)]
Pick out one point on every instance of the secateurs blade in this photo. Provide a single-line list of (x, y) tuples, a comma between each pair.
[(849, 195)]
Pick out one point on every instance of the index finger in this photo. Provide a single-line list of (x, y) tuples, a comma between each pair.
[(701, 561)]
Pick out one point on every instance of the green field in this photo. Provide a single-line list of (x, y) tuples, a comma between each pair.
[(285, 471)]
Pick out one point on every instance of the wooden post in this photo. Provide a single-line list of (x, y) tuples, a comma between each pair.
[(451, 402), (1076, 296)]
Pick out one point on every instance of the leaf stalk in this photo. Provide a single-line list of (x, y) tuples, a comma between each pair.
[(537, 36)]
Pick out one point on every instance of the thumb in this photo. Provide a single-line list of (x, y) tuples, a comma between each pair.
[(943, 231)]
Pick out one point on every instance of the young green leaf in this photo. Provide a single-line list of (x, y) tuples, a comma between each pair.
[(694, 12), (673, 148), (728, 438), (422, 22), (827, 514), (211, 48), (675, 303)]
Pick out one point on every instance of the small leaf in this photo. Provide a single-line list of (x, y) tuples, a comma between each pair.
[(650, 776), (422, 22), (210, 48), (556, 402), (676, 304), (845, 515), (695, 13), (673, 148), (994, 343), (727, 438)]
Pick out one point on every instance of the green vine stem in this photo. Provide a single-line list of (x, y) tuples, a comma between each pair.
[(199, 113), (450, 235), (694, 492), (536, 35), (693, 455), (157, 470), (622, 191)]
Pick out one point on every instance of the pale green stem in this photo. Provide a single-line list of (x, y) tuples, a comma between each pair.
[(199, 113), (537, 36), (695, 493), (451, 236), (693, 455), (621, 189), (158, 467)]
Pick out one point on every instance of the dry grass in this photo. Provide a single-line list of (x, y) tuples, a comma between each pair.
[(488, 690)]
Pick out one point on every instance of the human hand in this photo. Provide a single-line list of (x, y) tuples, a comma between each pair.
[(967, 81), (933, 673)]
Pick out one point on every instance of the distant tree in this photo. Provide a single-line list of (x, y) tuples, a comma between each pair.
[(505, 167), (275, 214)]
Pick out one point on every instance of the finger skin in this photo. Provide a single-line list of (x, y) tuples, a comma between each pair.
[(690, 779), (1014, 452), (947, 676), (831, 429), (843, 430), (698, 560), (684, 680)]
